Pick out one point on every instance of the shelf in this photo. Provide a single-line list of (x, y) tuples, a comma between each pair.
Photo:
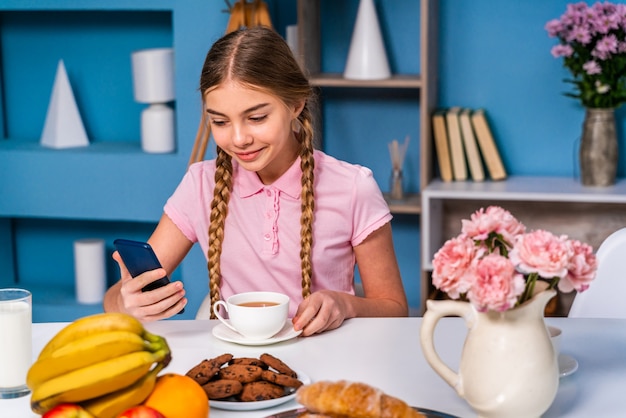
[(559, 204), (395, 82), (110, 188), (58, 303), (101, 147), (410, 205), (420, 85), (544, 189), (78, 5)]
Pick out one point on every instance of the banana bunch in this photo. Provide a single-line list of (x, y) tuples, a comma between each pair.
[(105, 362)]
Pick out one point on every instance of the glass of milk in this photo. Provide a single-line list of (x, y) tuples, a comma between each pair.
[(16, 346)]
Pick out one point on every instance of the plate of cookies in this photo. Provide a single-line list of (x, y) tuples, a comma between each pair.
[(247, 383)]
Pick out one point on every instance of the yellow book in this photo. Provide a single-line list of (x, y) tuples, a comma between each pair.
[(459, 166), (488, 145), (440, 135), (471, 147)]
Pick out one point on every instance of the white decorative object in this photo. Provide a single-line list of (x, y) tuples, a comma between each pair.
[(153, 82), (90, 270), (63, 127), (291, 33), (367, 59)]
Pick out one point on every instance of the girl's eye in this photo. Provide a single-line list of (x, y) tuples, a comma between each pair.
[(258, 118), (218, 122)]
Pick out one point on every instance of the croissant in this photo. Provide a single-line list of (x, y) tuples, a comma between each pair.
[(353, 400)]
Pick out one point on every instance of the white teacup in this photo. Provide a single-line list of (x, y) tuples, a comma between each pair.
[(255, 315)]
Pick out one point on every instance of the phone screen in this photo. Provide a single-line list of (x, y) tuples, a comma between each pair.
[(139, 257)]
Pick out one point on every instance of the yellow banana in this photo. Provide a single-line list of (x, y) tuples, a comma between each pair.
[(93, 324), (113, 404), (85, 351), (95, 380)]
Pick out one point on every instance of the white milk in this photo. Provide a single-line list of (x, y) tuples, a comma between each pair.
[(16, 346)]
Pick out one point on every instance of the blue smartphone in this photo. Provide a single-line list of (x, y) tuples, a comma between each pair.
[(139, 257)]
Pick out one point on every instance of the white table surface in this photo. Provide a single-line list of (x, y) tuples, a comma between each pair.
[(386, 353)]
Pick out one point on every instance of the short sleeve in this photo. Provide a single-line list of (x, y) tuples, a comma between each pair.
[(369, 206), (187, 206)]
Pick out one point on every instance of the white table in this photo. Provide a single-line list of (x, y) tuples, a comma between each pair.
[(386, 353)]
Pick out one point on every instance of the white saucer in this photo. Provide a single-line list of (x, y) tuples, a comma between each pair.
[(224, 333), (567, 365)]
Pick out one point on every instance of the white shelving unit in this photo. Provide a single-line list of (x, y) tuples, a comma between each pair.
[(559, 204)]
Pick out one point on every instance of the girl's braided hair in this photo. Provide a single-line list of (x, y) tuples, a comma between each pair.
[(260, 58)]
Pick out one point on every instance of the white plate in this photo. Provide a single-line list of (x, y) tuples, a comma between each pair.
[(428, 413), (251, 406), (567, 365), (224, 333)]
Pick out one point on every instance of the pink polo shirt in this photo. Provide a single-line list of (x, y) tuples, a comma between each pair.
[(261, 249)]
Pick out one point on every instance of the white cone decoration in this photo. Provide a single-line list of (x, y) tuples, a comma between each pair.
[(64, 127), (367, 59)]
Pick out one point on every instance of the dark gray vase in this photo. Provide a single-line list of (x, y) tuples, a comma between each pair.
[(598, 148)]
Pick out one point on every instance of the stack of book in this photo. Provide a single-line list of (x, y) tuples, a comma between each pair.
[(462, 136)]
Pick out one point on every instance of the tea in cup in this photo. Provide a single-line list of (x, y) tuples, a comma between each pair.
[(255, 315)]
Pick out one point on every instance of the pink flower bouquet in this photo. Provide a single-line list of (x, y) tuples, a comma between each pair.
[(495, 264)]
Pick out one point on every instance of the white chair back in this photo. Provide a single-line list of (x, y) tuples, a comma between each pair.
[(605, 296)]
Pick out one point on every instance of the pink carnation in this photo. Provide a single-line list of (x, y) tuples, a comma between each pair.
[(581, 268), (493, 219), (497, 285), (452, 266), (541, 252)]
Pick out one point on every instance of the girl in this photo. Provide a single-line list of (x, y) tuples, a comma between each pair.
[(270, 212)]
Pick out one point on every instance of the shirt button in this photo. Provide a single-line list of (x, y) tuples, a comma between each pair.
[(267, 237), (267, 192)]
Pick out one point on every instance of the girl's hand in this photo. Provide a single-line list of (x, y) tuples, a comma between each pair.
[(156, 304), (322, 311)]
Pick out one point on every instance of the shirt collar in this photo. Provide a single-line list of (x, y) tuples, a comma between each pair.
[(247, 183)]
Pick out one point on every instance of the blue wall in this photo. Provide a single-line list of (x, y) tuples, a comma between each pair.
[(492, 55)]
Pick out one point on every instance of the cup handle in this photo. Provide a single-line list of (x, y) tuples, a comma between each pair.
[(216, 311), (435, 310)]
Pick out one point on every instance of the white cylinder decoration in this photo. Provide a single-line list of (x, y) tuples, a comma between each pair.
[(153, 75), (153, 83), (157, 129), (367, 59), (90, 270)]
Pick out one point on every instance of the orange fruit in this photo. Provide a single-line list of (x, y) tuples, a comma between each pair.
[(178, 396)]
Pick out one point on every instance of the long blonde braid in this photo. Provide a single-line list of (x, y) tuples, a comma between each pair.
[(260, 58), (307, 165), (219, 211)]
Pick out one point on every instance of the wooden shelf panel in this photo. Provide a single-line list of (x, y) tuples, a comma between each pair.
[(528, 188), (410, 205), (398, 81)]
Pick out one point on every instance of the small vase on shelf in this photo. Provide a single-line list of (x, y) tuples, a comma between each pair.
[(598, 148)]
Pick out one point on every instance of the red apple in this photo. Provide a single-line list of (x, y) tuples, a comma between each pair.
[(141, 411), (67, 410)]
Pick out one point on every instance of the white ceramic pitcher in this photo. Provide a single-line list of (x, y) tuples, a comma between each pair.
[(508, 366)]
